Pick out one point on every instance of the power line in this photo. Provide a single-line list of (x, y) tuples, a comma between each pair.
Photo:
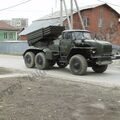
[(15, 5), (109, 3)]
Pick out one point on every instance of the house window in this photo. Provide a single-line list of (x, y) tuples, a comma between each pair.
[(100, 22), (113, 27), (8, 35), (101, 12), (111, 24), (86, 21), (11, 36), (5, 35)]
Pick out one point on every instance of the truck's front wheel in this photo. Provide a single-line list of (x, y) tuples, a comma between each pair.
[(40, 61), (78, 65), (29, 59), (99, 68)]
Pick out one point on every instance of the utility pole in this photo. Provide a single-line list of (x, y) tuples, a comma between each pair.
[(71, 14), (68, 19), (81, 20), (61, 13), (70, 22)]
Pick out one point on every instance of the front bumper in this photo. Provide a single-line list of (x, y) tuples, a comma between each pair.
[(102, 60), (115, 57)]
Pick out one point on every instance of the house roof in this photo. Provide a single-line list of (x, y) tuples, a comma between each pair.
[(5, 26), (54, 19), (97, 5)]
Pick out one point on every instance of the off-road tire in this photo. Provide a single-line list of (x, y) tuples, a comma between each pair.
[(78, 65), (61, 65), (99, 68), (29, 59), (41, 62)]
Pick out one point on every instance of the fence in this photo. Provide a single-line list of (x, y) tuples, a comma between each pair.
[(18, 47), (13, 47)]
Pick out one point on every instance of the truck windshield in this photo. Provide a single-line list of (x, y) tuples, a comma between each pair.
[(81, 35)]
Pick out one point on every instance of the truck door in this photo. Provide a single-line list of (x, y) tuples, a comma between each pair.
[(66, 43)]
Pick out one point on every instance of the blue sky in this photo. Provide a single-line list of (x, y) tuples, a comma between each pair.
[(35, 9)]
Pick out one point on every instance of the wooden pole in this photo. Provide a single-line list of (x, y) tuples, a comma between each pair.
[(68, 19)]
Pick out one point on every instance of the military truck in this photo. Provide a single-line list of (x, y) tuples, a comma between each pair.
[(73, 47)]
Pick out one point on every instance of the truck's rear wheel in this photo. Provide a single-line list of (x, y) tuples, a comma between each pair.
[(29, 59), (78, 65), (99, 68), (41, 62)]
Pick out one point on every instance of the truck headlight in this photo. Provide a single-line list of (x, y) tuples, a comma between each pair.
[(93, 51)]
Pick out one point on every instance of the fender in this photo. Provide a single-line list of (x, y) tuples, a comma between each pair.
[(86, 52), (33, 49)]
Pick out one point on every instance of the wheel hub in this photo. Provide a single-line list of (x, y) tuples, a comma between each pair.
[(77, 65), (39, 60), (28, 59)]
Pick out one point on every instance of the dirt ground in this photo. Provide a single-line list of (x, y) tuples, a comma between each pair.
[(38, 97)]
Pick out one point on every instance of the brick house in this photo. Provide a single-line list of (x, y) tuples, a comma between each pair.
[(7, 32), (101, 20)]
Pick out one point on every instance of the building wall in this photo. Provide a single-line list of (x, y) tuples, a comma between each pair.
[(8, 35), (23, 37)]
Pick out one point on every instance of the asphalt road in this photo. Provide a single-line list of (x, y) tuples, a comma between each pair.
[(111, 78)]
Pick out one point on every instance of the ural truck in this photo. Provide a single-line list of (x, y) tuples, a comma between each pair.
[(53, 45)]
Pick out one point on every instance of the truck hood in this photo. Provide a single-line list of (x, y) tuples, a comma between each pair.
[(103, 47), (97, 41)]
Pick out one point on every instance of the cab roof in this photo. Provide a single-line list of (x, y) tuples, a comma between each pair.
[(76, 30)]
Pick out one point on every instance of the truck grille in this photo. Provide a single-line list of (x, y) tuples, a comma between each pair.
[(107, 49)]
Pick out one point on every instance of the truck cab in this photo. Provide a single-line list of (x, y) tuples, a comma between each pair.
[(96, 53)]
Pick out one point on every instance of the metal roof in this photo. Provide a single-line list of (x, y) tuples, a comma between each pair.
[(76, 30)]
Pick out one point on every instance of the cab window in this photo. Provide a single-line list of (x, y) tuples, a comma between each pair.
[(67, 35)]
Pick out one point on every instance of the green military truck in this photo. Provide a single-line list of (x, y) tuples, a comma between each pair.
[(73, 47)]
